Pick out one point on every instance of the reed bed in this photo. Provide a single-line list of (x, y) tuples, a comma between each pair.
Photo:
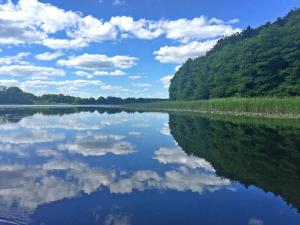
[(288, 105)]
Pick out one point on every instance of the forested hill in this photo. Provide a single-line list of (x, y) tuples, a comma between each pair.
[(14, 95), (256, 62)]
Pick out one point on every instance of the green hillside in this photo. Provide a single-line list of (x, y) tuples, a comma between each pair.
[(257, 62)]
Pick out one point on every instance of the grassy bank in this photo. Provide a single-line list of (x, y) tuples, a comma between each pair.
[(241, 106)]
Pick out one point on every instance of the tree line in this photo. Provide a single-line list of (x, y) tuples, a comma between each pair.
[(256, 62), (14, 95)]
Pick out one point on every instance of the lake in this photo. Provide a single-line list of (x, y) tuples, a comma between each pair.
[(106, 166)]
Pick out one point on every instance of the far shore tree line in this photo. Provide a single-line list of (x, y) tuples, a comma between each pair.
[(14, 95)]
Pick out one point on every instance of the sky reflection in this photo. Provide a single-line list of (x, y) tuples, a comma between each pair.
[(53, 159)]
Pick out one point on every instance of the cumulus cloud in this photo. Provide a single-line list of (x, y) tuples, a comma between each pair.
[(9, 83), (112, 73), (183, 29), (48, 56), (142, 29), (53, 177), (233, 21), (177, 156), (69, 87), (179, 54), (32, 186), (29, 21), (141, 85), (166, 80), (8, 60), (30, 137), (28, 187), (197, 28), (135, 77), (55, 43), (92, 144), (100, 73), (118, 2), (32, 22), (79, 87), (31, 71), (135, 133), (99, 62), (165, 130), (73, 122)]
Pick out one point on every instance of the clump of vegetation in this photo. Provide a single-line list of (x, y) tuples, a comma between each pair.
[(288, 105), (254, 63)]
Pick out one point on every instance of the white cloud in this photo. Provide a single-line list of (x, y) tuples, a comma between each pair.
[(65, 87), (72, 122), (36, 185), (32, 22), (48, 56), (141, 85), (9, 83), (29, 21), (165, 130), (135, 77), (31, 71), (112, 73), (81, 88), (92, 144), (177, 67), (54, 43), (179, 180), (233, 21), (95, 62), (177, 156), (8, 60), (118, 2), (100, 73), (179, 54), (166, 80), (31, 137), (135, 133), (142, 29), (183, 29), (198, 28), (215, 21), (94, 30)]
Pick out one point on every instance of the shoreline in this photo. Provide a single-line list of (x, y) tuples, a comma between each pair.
[(265, 107), (226, 107), (226, 113)]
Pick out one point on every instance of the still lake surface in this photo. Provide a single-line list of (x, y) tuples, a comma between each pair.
[(105, 166)]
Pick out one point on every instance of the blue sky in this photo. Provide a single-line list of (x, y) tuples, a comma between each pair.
[(125, 48)]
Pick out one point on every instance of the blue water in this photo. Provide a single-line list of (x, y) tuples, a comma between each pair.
[(89, 166)]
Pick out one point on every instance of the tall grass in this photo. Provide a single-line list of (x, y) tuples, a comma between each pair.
[(288, 105)]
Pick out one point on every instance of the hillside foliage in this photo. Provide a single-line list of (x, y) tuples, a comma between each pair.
[(256, 62)]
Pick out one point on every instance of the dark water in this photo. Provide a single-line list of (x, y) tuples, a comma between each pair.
[(104, 166)]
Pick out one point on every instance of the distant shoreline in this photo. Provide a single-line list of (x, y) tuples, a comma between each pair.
[(279, 108), (56, 106)]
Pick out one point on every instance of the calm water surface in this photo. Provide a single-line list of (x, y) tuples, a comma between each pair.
[(98, 166)]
